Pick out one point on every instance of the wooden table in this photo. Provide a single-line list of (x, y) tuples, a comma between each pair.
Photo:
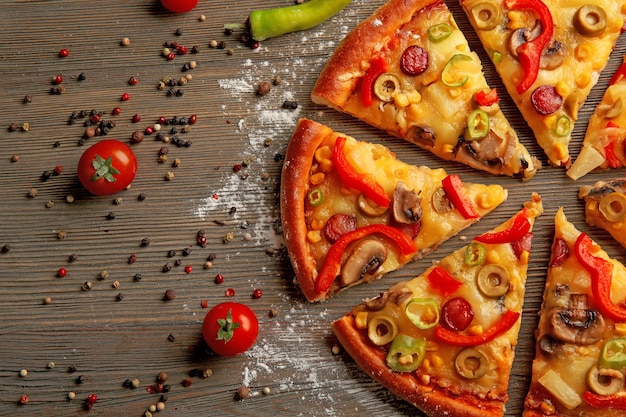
[(91, 342)]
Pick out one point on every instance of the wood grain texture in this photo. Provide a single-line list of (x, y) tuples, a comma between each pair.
[(109, 341)]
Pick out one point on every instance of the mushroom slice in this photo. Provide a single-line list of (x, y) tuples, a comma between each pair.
[(364, 262), (471, 363), (521, 36), (424, 136), (577, 323), (368, 207), (381, 329), (604, 381), (553, 56), (613, 207), (406, 205), (493, 280)]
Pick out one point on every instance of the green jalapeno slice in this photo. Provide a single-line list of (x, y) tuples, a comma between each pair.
[(439, 32), (451, 76), (406, 353), (423, 312), (478, 124), (475, 254), (316, 197), (563, 126), (613, 354)]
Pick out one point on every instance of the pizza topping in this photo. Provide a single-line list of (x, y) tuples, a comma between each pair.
[(520, 226), (529, 53), (486, 15), (590, 20), (423, 312), (613, 354), (368, 207), (457, 314), (471, 363), (364, 262), (422, 135), (505, 323), (338, 225), (406, 353), (406, 205), (414, 60), (613, 207), (560, 252), (577, 323), (382, 329), (486, 98), (563, 126), (453, 74), (440, 201), (353, 179), (546, 99), (386, 86), (475, 254), (377, 67), (332, 263), (455, 190), (562, 391), (441, 281), (493, 280), (520, 36), (604, 381), (315, 197), (617, 401), (553, 56), (522, 245), (477, 124), (439, 32)]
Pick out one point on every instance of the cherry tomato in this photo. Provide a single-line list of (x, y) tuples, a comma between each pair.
[(107, 167), (230, 328), (179, 6), (457, 314)]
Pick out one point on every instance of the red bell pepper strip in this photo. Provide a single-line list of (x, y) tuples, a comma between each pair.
[(441, 281), (612, 124), (508, 319), (332, 263), (610, 156), (614, 401), (486, 98), (619, 74), (353, 179), (453, 186), (519, 228), (529, 53), (377, 67), (601, 271)]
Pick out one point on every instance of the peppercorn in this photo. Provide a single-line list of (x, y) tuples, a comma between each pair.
[(137, 136), (125, 41), (137, 277), (69, 198), (243, 393), (263, 88), (47, 300), (133, 80), (119, 297), (61, 235), (186, 382), (132, 258), (115, 284), (23, 399), (161, 377), (169, 176), (104, 274), (27, 99), (23, 373), (167, 267), (273, 312), (110, 215), (171, 337), (257, 293), (80, 379), (87, 285), (64, 53), (82, 76)]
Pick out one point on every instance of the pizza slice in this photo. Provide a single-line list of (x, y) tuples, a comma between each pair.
[(549, 55), (408, 70), (604, 146), (351, 211), (444, 341), (605, 207), (580, 357)]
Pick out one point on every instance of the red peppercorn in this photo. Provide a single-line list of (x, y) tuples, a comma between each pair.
[(57, 79), (237, 167), (215, 196), (161, 120), (204, 304), (92, 398), (201, 240), (136, 118), (230, 292), (62, 272), (257, 293), (132, 258), (24, 399), (193, 119), (133, 80), (58, 169), (96, 118), (188, 269), (116, 111), (64, 53), (182, 50), (148, 130), (125, 97), (219, 278), (170, 56)]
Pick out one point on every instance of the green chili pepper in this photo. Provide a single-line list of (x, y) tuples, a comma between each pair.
[(316, 196), (406, 353), (563, 126), (270, 23), (454, 80), (478, 124), (475, 254), (423, 312), (439, 32), (613, 354), (496, 56)]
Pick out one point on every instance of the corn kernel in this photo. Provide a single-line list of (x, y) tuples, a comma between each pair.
[(317, 178), (485, 200), (582, 52), (560, 151), (562, 88), (425, 379), (524, 257), (326, 165), (516, 20), (436, 361), (414, 112), (550, 121), (414, 96), (360, 320), (476, 329), (313, 236), (429, 78), (493, 257), (583, 80), (323, 152), (317, 224), (447, 148), (400, 100), (426, 365)]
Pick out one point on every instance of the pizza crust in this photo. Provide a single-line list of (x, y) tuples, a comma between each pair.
[(433, 400)]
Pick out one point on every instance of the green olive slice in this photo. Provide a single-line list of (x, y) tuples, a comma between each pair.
[(381, 330), (613, 207), (471, 363), (386, 85), (493, 280), (604, 381), (590, 20), (485, 15), (368, 207)]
